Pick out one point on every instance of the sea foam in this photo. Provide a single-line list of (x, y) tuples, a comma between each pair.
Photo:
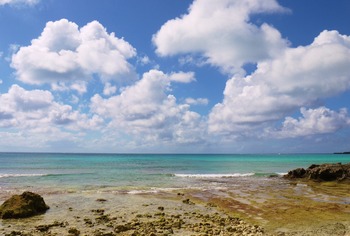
[(20, 175), (214, 176)]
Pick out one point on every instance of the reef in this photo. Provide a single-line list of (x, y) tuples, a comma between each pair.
[(324, 172)]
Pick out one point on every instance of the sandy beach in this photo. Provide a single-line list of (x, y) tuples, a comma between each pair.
[(291, 208)]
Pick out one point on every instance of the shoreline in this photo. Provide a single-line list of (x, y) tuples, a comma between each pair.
[(279, 207)]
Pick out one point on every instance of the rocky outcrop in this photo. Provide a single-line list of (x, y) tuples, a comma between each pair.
[(21, 206), (324, 172)]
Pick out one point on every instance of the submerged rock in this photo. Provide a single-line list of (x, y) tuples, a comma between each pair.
[(324, 172), (21, 206)]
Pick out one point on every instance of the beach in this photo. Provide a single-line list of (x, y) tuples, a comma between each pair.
[(200, 203), (284, 211)]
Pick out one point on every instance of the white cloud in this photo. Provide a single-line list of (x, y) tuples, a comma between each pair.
[(222, 33), (33, 120), (59, 86), (182, 77), (36, 111), (145, 111), (17, 2), (198, 101), (314, 121), (65, 53), (298, 77), (144, 60), (109, 89), (79, 86)]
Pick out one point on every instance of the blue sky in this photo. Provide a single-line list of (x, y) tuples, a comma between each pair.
[(226, 76)]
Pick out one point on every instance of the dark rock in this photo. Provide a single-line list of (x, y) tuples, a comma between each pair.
[(297, 173), (45, 228), (103, 219), (73, 232), (18, 233), (313, 166), (21, 206), (330, 172), (188, 201), (122, 228), (324, 172), (101, 200), (98, 211)]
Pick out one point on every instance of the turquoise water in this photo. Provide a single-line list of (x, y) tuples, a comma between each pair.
[(131, 172)]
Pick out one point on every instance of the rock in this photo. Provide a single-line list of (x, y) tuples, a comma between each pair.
[(188, 201), (122, 228), (45, 228), (324, 172), (18, 233), (101, 200), (73, 232), (21, 206), (297, 173), (98, 211)]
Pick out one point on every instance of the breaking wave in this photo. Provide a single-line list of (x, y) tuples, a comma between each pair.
[(20, 175), (214, 176)]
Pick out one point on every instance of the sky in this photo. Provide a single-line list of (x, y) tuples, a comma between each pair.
[(171, 76)]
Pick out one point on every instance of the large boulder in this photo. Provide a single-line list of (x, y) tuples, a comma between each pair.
[(21, 206), (324, 172)]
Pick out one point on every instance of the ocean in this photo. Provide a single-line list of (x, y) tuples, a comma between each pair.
[(133, 173)]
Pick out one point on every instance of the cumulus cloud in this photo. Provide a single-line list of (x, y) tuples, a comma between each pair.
[(37, 111), (198, 101), (65, 53), (286, 78), (222, 33), (79, 86), (146, 111), (144, 60), (109, 89), (17, 2), (314, 121), (182, 77), (298, 77)]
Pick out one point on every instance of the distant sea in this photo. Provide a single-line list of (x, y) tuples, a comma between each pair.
[(133, 173)]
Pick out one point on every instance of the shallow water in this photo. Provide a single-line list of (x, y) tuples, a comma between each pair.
[(122, 172)]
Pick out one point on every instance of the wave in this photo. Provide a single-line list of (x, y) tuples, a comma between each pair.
[(234, 175), (282, 174), (136, 192), (38, 175), (21, 175), (214, 176)]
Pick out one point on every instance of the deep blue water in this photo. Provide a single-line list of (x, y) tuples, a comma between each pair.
[(21, 171)]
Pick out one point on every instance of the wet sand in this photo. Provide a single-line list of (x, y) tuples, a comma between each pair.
[(276, 207)]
